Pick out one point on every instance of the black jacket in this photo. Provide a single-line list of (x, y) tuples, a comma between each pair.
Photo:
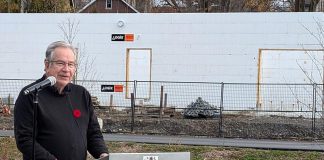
[(66, 124)]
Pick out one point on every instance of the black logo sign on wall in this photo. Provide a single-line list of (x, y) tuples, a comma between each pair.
[(118, 37), (107, 88)]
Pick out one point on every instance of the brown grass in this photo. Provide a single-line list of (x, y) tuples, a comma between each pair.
[(9, 151)]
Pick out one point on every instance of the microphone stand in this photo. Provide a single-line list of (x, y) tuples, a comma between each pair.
[(35, 107)]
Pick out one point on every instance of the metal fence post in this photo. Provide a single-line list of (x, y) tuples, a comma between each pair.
[(314, 110), (220, 126), (133, 97), (133, 111), (134, 90), (161, 102)]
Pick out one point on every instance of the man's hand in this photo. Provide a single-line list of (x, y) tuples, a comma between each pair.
[(104, 155)]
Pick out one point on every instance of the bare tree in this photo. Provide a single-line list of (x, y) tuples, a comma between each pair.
[(313, 5), (85, 69), (228, 5), (258, 5), (9, 6), (186, 5), (143, 6), (300, 5), (70, 29), (41, 6), (319, 64)]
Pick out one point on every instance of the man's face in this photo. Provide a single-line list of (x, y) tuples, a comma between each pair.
[(62, 66)]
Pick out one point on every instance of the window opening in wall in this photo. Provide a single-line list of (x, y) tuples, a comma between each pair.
[(108, 4)]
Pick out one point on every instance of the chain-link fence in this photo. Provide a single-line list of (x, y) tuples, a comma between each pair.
[(242, 110)]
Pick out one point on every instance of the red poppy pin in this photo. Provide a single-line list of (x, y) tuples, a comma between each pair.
[(76, 113)]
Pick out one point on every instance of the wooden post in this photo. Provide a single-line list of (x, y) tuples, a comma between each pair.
[(9, 101), (111, 100), (165, 100)]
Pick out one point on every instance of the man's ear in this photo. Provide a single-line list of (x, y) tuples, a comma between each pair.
[(46, 64)]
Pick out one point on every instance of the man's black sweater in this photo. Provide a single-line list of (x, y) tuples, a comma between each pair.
[(66, 124)]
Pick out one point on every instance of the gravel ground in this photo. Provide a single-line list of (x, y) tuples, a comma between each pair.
[(234, 126), (263, 127)]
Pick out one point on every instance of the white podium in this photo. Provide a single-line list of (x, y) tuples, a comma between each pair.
[(150, 156)]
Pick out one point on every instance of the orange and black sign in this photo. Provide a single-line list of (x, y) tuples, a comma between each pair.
[(118, 88), (112, 88), (122, 37)]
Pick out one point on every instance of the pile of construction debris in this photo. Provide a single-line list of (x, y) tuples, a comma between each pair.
[(200, 109)]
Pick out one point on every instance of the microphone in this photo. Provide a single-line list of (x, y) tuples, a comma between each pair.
[(50, 81)]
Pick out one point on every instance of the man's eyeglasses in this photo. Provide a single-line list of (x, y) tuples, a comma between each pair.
[(62, 64)]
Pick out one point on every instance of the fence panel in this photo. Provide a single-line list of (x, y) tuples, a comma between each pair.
[(10, 88), (276, 111), (114, 106), (319, 115), (162, 111)]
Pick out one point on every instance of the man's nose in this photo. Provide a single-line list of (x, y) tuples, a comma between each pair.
[(66, 67)]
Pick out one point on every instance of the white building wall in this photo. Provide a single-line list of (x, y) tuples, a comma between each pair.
[(213, 47)]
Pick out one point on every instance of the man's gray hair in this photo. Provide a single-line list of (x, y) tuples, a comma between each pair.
[(50, 49)]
